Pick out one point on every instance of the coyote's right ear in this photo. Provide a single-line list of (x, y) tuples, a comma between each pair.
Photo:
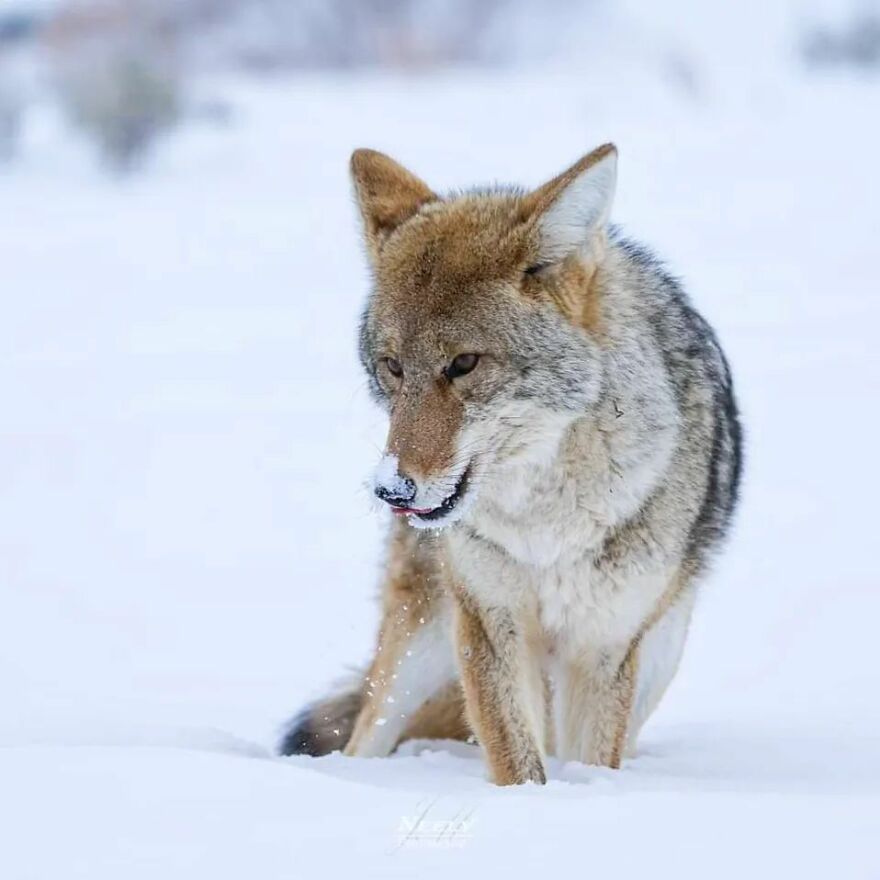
[(574, 206), (387, 195)]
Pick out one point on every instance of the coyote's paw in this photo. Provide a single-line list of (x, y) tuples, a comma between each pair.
[(529, 769)]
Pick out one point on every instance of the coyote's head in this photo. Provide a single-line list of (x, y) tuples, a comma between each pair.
[(481, 334)]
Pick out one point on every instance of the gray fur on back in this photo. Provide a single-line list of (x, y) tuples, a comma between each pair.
[(709, 455)]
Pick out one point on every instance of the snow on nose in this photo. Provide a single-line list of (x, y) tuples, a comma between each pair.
[(392, 486)]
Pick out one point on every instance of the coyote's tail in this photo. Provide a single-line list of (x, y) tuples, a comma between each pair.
[(326, 725)]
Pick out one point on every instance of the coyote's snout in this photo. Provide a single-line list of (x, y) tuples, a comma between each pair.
[(564, 420), (423, 473), (428, 501)]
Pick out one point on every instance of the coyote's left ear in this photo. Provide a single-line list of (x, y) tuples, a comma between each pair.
[(387, 195), (573, 208)]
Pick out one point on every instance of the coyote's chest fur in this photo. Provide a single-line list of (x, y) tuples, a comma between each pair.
[(536, 543)]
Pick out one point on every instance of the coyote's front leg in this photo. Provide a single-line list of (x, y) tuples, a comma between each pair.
[(504, 692), (595, 697)]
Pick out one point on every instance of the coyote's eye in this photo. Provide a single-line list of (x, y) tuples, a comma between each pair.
[(536, 269), (462, 365), (394, 367)]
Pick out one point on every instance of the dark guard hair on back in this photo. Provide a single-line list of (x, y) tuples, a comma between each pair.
[(692, 354)]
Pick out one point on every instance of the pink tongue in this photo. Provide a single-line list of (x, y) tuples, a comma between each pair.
[(406, 511)]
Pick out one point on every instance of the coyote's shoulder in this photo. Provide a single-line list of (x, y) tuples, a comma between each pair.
[(563, 459)]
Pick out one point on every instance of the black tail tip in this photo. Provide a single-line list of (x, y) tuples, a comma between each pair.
[(302, 737), (322, 727)]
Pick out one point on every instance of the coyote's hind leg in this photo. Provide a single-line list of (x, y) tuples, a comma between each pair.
[(414, 660)]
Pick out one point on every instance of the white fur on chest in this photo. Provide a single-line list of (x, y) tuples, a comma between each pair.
[(537, 516), (533, 537), (554, 507), (579, 606)]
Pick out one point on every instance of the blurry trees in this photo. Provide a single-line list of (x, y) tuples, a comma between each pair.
[(17, 27), (10, 121), (123, 103), (854, 42), (119, 67), (115, 71), (273, 34), (364, 33)]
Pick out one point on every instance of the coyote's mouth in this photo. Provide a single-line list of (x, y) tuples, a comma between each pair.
[(442, 510)]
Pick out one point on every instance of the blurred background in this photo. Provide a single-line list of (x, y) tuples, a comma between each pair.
[(122, 76), (189, 548), (186, 536)]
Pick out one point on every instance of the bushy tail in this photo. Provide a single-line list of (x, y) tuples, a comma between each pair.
[(324, 726), (327, 725)]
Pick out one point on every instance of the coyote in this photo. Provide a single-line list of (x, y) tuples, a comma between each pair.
[(562, 463)]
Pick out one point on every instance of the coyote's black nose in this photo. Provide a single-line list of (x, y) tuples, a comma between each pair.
[(400, 494)]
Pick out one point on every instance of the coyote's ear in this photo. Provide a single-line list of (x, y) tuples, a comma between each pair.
[(573, 207), (387, 195)]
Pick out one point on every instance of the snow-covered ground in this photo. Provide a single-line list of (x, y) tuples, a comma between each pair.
[(188, 551)]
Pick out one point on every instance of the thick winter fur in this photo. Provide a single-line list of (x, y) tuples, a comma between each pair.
[(559, 501)]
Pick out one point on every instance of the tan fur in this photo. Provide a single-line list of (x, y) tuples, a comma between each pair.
[(493, 684), (438, 416), (413, 596), (387, 192), (470, 241), (475, 240), (527, 619), (625, 679), (681, 584), (575, 290), (411, 588), (441, 717), (626, 683), (377, 687)]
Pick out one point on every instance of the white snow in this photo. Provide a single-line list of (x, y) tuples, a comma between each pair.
[(387, 475), (188, 548)]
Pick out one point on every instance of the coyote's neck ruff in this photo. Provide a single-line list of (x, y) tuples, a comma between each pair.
[(562, 460)]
